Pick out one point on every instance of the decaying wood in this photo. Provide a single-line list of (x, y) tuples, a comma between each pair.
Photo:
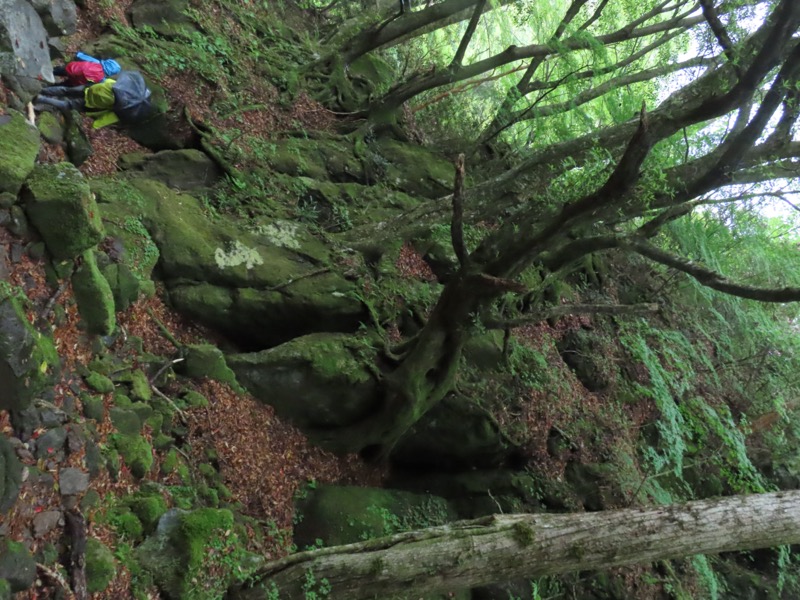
[(505, 547)]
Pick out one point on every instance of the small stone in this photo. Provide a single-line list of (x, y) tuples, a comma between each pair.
[(45, 522), (76, 439), (51, 444), (73, 481), (53, 418)]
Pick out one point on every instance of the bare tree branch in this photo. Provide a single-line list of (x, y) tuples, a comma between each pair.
[(720, 33), (467, 37), (712, 279)]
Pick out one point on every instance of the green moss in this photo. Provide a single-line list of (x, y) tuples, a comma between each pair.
[(19, 147), (524, 534), (140, 387), (170, 462), (28, 360), (205, 360), (127, 525), (60, 205), (99, 383), (148, 508), (125, 421), (136, 451), (104, 365), (94, 296), (100, 566), (50, 127), (195, 399), (206, 470), (143, 411), (196, 529), (124, 284)]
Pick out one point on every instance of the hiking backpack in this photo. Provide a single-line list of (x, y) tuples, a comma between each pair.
[(132, 101)]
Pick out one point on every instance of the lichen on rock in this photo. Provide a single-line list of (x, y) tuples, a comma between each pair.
[(236, 253)]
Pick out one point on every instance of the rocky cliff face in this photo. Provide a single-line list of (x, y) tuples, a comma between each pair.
[(30, 35)]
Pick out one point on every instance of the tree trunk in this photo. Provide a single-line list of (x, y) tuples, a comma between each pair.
[(505, 547)]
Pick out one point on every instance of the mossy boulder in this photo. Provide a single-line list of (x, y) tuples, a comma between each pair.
[(319, 381), (126, 421), (99, 383), (136, 452), (28, 360), (10, 475), (79, 148), (50, 127), (140, 386), (61, 206), (17, 566), (186, 170), (148, 507), (344, 514), (177, 555), (94, 296), (205, 360), (124, 208), (100, 566), (414, 169), (19, 147), (124, 284)]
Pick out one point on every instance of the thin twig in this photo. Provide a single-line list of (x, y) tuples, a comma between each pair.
[(160, 372), (163, 396), (57, 578)]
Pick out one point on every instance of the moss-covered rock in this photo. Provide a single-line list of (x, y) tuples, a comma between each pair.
[(195, 399), (94, 296), (19, 147), (100, 566), (344, 514), (61, 206), (79, 148), (93, 407), (50, 127), (205, 360), (140, 386), (180, 169), (125, 421), (125, 285), (17, 566), (10, 475), (178, 557), (148, 507), (414, 169), (136, 452), (318, 381), (99, 383), (128, 525), (28, 360)]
